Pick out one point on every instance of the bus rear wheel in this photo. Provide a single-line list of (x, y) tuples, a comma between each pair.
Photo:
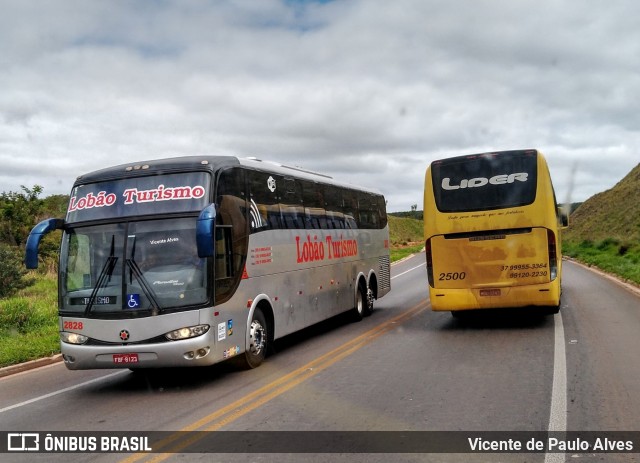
[(258, 342), (362, 302), (553, 310), (368, 303)]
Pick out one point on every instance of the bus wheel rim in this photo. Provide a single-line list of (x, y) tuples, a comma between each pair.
[(257, 335)]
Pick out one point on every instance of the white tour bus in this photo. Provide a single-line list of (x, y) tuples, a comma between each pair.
[(195, 260)]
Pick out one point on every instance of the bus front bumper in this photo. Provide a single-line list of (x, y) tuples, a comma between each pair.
[(198, 351)]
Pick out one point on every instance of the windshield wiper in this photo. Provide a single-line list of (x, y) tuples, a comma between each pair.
[(148, 290), (104, 277), (134, 270)]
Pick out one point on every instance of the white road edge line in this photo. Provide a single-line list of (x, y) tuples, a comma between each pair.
[(407, 271), (558, 414), (60, 391)]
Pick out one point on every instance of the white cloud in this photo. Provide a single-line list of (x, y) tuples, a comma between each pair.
[(367, 91)]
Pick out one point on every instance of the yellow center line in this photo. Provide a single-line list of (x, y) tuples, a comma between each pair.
[(259, 397)]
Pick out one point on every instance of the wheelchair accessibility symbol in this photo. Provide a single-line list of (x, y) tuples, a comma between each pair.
[(133, 301)]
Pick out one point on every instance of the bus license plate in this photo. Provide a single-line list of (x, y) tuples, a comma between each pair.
[(490, 292), (125, 358)]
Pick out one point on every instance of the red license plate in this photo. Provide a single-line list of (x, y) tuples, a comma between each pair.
[(490, 292), (125, 358)]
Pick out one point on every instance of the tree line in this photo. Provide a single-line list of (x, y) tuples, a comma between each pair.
[(19, 212)]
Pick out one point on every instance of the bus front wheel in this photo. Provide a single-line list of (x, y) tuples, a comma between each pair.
[(258, 342)]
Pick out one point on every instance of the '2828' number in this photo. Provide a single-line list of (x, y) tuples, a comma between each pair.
[(73, 325), (452, 276)]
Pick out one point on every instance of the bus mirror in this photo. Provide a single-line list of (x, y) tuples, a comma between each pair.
[(35, 237), (564, 215), (204, 231)]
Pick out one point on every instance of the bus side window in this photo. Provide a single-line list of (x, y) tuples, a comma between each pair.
[(265, 193), (333, 208), (292, 208), (313, 194), (224, 253), (368, 211), (232, 234), (382, 211), (350, 208)]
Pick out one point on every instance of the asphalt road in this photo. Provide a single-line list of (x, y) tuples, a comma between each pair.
[(405, 368)]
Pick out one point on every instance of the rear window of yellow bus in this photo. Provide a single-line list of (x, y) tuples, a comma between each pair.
[(487, 181)]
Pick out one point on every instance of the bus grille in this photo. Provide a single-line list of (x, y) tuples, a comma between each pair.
[(385, 273)]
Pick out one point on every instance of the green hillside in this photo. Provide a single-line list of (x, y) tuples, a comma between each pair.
[(605, 230), (405, 235), (404, 231), (613, 214)]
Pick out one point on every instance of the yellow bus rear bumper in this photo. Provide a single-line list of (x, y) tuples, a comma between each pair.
[(544, 295)]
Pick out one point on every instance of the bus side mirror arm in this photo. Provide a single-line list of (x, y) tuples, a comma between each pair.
[(204, 231), (35, 237)]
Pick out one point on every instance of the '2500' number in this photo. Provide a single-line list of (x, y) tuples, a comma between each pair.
[(452, 276)]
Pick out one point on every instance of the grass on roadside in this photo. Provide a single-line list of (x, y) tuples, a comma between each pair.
[(405, 251), (29, 322), (610, 255)]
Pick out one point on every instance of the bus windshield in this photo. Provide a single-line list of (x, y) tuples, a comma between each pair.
[(485, 181), (132, 267)]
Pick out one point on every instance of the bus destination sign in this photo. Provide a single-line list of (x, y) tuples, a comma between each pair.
[(139, 196)]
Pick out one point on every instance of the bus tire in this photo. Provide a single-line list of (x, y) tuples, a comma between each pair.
[(553, 310), (460, 314), (368, 302), (258, 342), (361, 298)]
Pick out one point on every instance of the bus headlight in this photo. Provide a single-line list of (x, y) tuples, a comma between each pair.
[(186, 333), (73, 338)]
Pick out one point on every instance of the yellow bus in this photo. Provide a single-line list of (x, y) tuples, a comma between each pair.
[(491, 227)]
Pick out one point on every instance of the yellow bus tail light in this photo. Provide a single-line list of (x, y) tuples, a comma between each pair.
[(427, 247), (553, 257)]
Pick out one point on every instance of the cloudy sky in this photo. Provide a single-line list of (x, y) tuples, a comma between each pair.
[(369, 91)]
